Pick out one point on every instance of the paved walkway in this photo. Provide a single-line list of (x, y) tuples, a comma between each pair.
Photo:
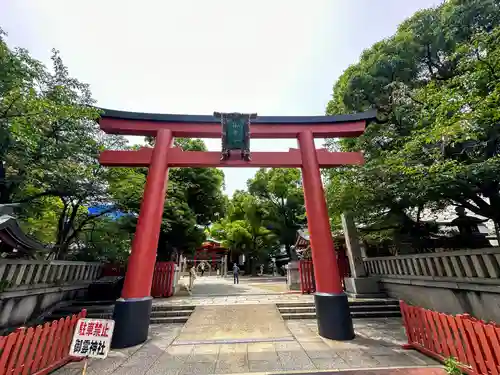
[(212, 290), (244, 333), (226, 324)]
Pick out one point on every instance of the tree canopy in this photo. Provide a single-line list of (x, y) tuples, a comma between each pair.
[(243, 230), (280, 191), (49, 144), (49, 148), (194, 200), (435, 85)]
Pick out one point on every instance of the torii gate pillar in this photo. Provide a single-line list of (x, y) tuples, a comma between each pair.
[(332, 306), (136, 301)]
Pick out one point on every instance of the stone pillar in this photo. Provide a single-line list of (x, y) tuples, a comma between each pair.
[(225, 265), (176, 285), (359, 284), (293, 275), (332, 307)]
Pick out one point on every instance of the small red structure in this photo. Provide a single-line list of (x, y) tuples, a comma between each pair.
[(211, 251), (302, 247), (163, 280), (38, 350), (306, 272), (132, 311), (474, 343)]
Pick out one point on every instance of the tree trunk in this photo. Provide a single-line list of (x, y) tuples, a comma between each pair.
[(495, 204), (4, 189)]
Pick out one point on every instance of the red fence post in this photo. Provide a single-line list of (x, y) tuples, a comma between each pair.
[(40, 350), (168, 280), (301, 274), (306, 277), (474, 343), (163, 279)]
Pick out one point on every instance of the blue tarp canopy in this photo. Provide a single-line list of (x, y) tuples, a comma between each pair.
[(114, 214)]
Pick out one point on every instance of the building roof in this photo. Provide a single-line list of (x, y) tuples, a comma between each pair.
[(13, 236)]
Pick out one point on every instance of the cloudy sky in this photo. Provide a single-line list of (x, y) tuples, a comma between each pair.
[(273, 57)]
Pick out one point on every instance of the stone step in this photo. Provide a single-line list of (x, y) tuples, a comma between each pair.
[(173, 307), (93, 303), (374, 302), (100, 315), (354, 315), (160, 313), (169, 320), (90, 309), (297, 310), (100, 308), (174, 313), (358, 308)]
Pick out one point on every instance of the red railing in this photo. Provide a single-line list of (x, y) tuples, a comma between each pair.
[(163, 280), (474, 343), (40, 350), (114, 270), (306, 272)]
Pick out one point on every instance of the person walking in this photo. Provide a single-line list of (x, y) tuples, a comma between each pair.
[(202, 268), (192, 278), (236, 271)]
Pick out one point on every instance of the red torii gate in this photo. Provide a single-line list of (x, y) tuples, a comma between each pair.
[(132, 310)]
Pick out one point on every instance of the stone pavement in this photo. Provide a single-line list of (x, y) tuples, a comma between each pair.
[(228, 337), (229, 323), (212, 290)]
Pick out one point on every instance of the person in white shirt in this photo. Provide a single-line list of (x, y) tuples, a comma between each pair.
[(192, 277)]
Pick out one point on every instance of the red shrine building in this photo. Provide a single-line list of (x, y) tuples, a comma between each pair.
[(211, 254)]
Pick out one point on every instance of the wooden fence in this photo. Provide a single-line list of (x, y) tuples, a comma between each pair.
[(474, 343), (39, 350), (306, 272), (163, 280)]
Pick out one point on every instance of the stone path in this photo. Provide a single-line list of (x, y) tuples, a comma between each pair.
[(212, 290), (244, 333), (226, 323)]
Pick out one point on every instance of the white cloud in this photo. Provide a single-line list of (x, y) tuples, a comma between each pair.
[(278, 57)]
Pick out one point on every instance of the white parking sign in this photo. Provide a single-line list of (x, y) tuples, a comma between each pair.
[(92, 338)]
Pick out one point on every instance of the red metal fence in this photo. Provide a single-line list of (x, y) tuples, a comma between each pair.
[(472, 342), (163, 279), (39, 350), (114, 270), (306, 272)]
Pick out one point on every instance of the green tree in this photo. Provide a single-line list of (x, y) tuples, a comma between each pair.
[(106, 241), (49, 145), (280, 192), (243, 231), (436, 88), (194, 200)]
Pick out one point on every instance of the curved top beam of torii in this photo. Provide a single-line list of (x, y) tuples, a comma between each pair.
[(208, 126)]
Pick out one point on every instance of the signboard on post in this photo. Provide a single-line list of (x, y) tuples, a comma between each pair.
[(92, 338)]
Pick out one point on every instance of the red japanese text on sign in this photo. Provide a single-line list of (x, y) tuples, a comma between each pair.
[(93, 329)]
